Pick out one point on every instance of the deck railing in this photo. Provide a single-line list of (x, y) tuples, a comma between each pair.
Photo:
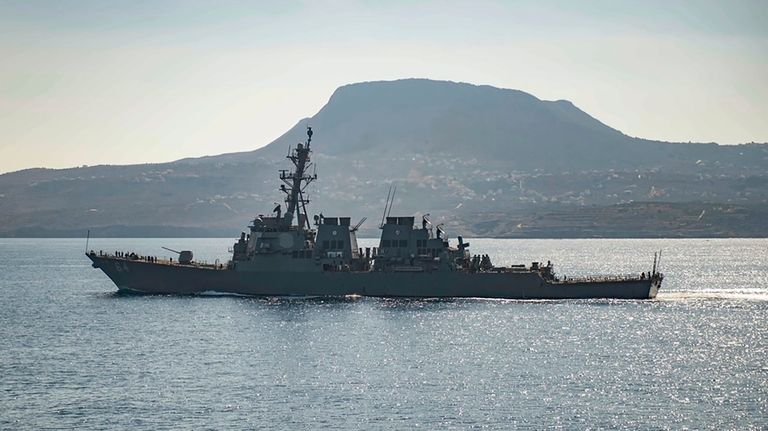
[(133, 257)]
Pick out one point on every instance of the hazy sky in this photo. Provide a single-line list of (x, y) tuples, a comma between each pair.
[(148, 81)]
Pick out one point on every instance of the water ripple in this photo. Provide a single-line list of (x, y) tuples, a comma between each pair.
[(76, 355)]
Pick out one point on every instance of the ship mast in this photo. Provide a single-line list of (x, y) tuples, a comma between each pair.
[(297, 181)]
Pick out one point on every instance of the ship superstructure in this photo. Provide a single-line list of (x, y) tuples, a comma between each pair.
[(284, 253)]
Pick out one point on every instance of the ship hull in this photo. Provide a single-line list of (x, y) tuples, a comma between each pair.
[(153, 278)]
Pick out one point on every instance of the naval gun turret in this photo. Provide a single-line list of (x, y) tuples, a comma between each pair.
[(185, 256)]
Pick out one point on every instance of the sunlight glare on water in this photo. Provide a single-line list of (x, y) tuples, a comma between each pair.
[(74, 354)]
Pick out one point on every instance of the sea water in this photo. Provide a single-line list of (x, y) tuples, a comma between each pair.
[(74, 354)]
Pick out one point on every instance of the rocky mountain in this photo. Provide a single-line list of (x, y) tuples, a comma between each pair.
[(460, 151)]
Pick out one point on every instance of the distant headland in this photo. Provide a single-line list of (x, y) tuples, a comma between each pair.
[(485, 161)]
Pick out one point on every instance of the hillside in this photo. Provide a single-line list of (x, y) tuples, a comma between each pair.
[(459, 151)]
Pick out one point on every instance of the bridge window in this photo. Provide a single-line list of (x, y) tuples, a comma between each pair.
[(403, 243), (326, 245)]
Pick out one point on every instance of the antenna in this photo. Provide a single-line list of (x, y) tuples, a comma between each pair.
[(658, 265), (384, 214), (393, 201), (655, 255), (87, 238), (304, 207), (360, 223)]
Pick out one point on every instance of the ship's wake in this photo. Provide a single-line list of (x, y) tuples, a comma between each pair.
[(755, 294)]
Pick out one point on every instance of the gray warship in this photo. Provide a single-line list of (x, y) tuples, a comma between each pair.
[(286, 254)]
